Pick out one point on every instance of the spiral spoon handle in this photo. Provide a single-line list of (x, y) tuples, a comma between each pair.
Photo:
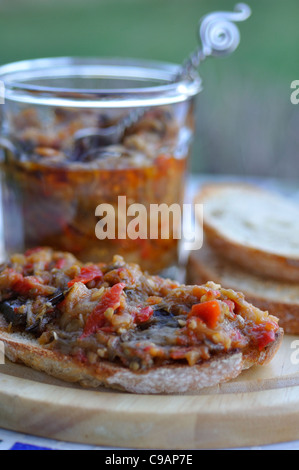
[(219, 36)]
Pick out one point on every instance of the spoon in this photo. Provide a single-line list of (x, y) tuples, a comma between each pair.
[(218, 35)]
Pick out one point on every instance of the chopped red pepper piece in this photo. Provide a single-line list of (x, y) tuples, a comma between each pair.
[(264, 336), (179, 353), (60, 264), (209, 312), (97, 319), (81, 356), (230, 304), (32, 251), (25, 285), (143, 315), (88, 273)]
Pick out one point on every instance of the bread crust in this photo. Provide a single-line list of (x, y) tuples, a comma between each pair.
[(258, 261), (170, 379), (202, 267)]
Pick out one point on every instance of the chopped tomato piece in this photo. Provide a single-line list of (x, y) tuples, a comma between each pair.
[(25, 285), (238, 339), (183, 340), (143, 315), (97, 319), (107, 329), (32, 251), (209, 312), (154, 300), (125, 275), (263, 336), (60, 264), (210, 294), (230, 304), (81, 356), (88, 273), (179, 353)]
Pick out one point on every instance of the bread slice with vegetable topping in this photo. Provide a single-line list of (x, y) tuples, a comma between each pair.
[(279, 298), (113, 325)]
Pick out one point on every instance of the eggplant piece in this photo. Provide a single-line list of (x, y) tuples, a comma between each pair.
[(39, 326), (11, 313), (34, 329), (57, 298), (160, 316), (9, 309), (164, 318)]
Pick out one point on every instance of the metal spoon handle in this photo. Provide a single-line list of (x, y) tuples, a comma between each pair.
[(219, 36)]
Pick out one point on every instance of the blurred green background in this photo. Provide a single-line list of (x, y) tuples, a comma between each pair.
[(246, 123)]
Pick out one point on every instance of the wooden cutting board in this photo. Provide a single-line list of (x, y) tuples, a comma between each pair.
[(260, 407)]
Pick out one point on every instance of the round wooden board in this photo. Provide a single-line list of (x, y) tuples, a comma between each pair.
[(260, 407)]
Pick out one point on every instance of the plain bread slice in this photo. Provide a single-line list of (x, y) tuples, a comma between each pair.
[(255, 228)]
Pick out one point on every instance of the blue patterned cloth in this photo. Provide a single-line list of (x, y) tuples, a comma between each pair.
[(10, 440)]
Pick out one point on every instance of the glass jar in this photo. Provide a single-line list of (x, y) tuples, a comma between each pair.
[(53, 182)]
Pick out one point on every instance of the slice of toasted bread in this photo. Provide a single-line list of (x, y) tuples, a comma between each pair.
[(254, 228), (170, 379), (278, 298)]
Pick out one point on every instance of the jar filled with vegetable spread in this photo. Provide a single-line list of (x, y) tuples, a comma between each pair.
[(84, 138)]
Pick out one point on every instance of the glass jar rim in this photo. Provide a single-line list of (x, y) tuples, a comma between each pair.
[(21, 84)]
